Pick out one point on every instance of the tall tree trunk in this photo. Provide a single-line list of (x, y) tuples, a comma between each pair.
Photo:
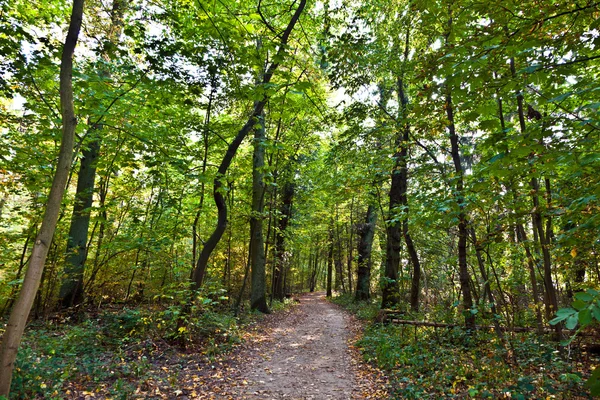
[(464, 275), (71, 290), (315, 271), (258, 285), (330, 262), (349, 261), (366, 234), (390, 292), (487, 287), (538, 228), (215, 237), (339, 270), (18, 317), (522, 238), (402, 163), (205, 136), (280, 255)]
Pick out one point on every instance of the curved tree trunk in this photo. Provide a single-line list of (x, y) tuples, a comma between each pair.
[(213, 240), (18, 317)]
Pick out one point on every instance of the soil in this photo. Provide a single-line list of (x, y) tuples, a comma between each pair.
[(307, 357)]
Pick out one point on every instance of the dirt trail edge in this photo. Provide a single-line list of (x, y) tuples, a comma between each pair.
[(307, 359)]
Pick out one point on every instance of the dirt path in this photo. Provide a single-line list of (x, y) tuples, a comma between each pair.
[(307, 358)]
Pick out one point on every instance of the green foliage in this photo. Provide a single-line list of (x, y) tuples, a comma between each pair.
[(364, 310), (585, 312), (114, 348), (442, 364), (447, 363)]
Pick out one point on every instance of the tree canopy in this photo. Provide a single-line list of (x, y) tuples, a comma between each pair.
[(440, 157)]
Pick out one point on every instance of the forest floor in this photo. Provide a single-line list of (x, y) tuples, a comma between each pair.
[(302, 351), (305, 352)]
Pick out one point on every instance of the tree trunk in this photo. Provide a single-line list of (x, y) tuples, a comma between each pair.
[(402, 164), (71, 290), (258, 299), (522, 238), (350, 232), (330, 262), (464, 275), (366, 234), (339, 270), (550, 292), (280, 257), (487, 287), (18, 317), (215, 237)]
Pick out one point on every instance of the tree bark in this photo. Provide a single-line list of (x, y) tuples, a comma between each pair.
[(280, 255), (72, 291), (330, 263), (464, 275), (366, 234), (215, 237), (551, 298), (258, 299), (18, 317), (402, 163)]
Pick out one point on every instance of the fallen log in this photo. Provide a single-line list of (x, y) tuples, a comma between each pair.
[(477, 327)]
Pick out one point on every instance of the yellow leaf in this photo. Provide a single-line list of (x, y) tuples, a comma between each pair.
[(574, 252)]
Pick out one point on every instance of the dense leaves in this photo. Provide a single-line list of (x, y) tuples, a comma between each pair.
[(464, 133)]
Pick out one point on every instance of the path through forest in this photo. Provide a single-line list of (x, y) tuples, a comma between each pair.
[(308, 358), (302, 354)]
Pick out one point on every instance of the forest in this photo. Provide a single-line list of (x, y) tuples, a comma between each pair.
[(177, 174)]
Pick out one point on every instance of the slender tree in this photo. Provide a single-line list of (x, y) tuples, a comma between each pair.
[(20, 312)]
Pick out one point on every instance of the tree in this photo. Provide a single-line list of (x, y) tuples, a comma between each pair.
[(215, 237), (20, 312), (258, 300), (71, 291), (366, 234)]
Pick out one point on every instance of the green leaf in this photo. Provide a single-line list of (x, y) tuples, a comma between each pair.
[(579, 305), (566, 312), (585, 317), (572, 321), (593, 382), (497, 157), (596, 312), (560, 98), (583, 296)]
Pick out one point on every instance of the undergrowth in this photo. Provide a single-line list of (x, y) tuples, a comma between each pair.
[(424, 362), (117, 349)]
